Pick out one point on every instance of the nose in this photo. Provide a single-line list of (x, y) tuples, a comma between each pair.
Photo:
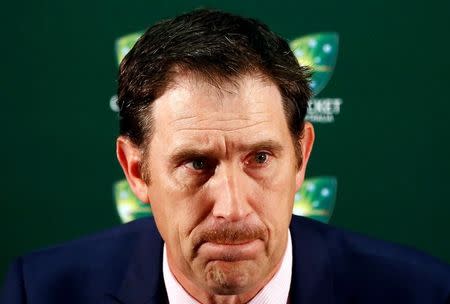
[(229, 192)]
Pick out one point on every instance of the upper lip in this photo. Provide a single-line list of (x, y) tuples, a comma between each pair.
[(228, 242)]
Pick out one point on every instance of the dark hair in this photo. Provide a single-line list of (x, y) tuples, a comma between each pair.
[(216, 46)]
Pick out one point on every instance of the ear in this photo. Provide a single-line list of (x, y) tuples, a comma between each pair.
[(306, 142), (130, 158)]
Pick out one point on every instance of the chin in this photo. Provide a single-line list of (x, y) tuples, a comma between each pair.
[(231, 278)]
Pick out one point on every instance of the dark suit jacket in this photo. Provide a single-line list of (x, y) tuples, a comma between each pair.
[(123, 265)]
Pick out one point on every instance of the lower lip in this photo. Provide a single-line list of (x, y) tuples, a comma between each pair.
[(231, 252)]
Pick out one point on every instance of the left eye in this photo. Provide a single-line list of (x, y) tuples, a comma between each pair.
[(261, 157)]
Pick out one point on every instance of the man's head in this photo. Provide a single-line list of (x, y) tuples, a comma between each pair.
[(212, 110), (215, 46)]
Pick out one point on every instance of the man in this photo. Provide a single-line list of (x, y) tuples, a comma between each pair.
[(212, 110)]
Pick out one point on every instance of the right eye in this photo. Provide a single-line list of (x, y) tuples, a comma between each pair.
[(198, 164)]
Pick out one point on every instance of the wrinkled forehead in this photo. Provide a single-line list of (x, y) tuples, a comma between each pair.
[(195, 108)]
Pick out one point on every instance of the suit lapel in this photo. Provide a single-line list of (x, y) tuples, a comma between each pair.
[(143, 281), (312, 280)]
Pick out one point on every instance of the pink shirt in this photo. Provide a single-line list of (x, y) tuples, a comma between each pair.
[(276, 291)]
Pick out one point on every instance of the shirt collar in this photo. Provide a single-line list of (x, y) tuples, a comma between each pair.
[(276, 291)]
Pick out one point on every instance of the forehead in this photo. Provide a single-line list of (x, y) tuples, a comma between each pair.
[(193, 109)]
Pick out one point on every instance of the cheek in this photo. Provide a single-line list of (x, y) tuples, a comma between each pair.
[(172, 214), (274, 199), (177, 211)]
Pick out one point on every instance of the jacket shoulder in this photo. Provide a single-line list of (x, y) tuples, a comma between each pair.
[(380, 271), (77, 268), (101, 245)]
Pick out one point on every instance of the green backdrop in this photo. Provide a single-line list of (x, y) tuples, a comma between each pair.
[(388, 147)]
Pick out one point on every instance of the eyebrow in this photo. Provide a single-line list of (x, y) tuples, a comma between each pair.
[(186, 152), (269, 144)]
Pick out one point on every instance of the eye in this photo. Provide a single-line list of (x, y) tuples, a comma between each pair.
[(199, 164), (258, 159), (261, 157)]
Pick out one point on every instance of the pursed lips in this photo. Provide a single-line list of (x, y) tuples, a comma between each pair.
[(231, 251)]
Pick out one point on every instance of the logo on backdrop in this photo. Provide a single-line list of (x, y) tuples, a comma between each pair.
[(317, 196), (319, 51)]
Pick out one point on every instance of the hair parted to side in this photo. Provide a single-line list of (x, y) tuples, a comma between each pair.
[(216, 46)]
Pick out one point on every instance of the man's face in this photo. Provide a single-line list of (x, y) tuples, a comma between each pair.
[(223, 176)]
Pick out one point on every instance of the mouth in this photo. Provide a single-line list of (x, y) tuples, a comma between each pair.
[(234, 242), (231, 251)]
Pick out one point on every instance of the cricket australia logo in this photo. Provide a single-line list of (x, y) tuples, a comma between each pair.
[(319, 52), (317, 196)]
